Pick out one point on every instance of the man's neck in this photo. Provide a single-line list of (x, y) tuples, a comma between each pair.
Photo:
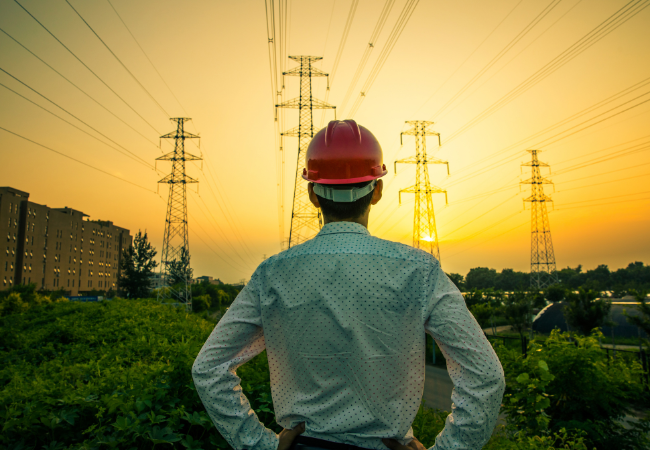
[(361, 220)]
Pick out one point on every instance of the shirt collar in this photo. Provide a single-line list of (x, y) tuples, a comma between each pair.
[(343, 227)]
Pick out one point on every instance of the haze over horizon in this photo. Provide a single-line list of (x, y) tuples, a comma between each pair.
[(485, 72)]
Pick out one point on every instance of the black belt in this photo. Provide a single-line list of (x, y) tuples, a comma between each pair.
[(321, 443)]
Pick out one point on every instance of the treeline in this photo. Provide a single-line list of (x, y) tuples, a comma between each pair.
[(636, 276)]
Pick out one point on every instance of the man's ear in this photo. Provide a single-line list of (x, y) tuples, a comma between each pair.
[(312, 197), (377, 193)]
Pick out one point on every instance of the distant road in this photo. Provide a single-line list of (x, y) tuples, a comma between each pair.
[(437, 388)]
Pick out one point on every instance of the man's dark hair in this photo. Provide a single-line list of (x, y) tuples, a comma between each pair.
[(345, 210)]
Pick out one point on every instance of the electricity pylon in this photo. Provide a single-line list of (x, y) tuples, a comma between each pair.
[(306, 220), (425, 235), (542, 258), (175, 252)]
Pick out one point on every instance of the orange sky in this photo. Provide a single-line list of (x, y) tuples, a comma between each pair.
[(214, 57)]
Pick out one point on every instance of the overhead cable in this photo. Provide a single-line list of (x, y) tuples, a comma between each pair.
[(69, 113), (610, 24), (372, 42), (148, 59), (76, 160), (467, 59), (79, 89), (400, 24), (118, 60), (556, 125), (75, 126), (89, 69), (501, 54)]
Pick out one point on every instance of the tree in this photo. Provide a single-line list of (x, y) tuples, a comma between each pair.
[(510, 280), (585, 311), (554, 293), (179, 270), (480, 278), (482, 312), (137, 266), (458, 280), (518, 310)]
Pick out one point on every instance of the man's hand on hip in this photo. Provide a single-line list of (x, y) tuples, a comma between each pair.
[(289, 434), (394, 444)]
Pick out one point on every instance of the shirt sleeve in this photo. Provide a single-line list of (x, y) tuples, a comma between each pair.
[(473, 366), (237, 338)]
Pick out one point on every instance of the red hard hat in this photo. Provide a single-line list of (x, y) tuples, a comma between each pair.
[(344, 153)]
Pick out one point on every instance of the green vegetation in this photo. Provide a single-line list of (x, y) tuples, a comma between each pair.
[(636, 276), (117, 374), (137, 266), (584, 311), (568, 383)]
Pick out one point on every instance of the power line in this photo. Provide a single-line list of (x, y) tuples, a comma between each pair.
[(76, 160), (211, 249), (327, 35), (606, 198), (496, 72), (214, 222), (118, 60), (79, 89), (608, 203), (556, 125), (388, 6), (147, 56), (337, 58), (68, 112), (75, 126), (89, 69), (402, 20), (596, 34), (467, 59), (230, 218), (602, 182), (512, 158), (501, 54)]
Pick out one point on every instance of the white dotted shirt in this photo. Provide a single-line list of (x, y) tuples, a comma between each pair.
[(343, 320)]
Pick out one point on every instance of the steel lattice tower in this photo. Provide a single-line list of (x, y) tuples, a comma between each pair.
[(306, 220), (542, 258), (425, 235), (176, 238)]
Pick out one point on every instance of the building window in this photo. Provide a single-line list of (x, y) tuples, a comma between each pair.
[(72, 283), (68, 283), (5, 281)]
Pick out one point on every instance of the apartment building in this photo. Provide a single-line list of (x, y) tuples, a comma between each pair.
[(57, 248)]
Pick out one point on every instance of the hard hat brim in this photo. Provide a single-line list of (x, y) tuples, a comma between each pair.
[(344, 180)]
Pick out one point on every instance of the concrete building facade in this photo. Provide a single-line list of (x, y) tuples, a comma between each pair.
[(57, 248)]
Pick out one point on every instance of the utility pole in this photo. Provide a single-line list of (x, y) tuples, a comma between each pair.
[(306, 220), (425, 235), (176, 249), (542, 258)]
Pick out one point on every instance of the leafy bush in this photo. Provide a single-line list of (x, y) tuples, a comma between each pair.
[(585, 311), (586, 392), (201, 303), (117, 374)]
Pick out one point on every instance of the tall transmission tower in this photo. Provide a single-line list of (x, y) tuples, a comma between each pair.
[(425, 235), (542, 258), (176, 249), (306, 220)]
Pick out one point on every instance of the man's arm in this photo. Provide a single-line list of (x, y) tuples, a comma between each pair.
[(236, 339), (473, 366)]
